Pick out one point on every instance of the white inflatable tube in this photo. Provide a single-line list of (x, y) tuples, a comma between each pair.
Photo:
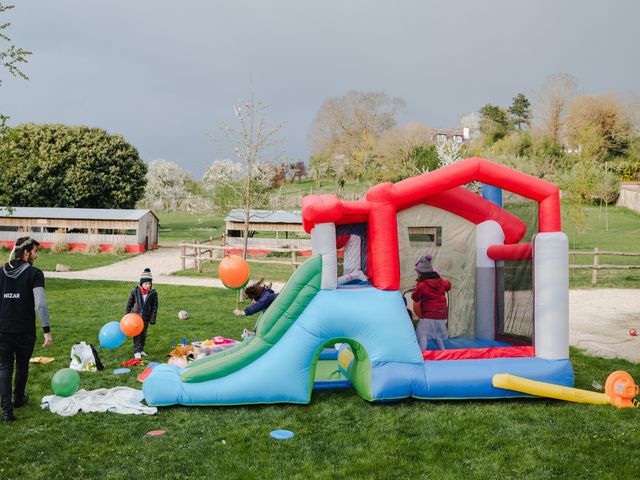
[(487, 233), (323, 242)]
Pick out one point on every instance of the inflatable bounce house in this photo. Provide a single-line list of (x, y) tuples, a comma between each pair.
[(508, 307)]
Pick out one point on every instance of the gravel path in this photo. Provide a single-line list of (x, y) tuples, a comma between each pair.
[(162, 262), (599, 320)]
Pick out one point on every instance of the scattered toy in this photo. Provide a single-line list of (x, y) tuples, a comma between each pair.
[(282, 434)]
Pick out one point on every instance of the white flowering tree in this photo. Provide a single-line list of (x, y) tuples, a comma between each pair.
[(249, 177), (449, 152), (166, 185)]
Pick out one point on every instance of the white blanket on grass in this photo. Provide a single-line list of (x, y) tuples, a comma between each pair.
[(123, 400)]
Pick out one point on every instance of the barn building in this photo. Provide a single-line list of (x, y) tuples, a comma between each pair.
[(267, 228), (135, 230)]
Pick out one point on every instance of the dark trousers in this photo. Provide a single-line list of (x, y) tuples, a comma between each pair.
[(14, 348), (139, 340)]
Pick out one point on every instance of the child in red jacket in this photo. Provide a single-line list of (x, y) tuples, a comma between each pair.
[(430, 294)]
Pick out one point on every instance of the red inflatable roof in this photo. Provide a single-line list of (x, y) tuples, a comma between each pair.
[(441, 189)]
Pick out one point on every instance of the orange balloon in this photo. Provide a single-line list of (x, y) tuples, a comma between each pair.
[(131, 324), (234, 272)]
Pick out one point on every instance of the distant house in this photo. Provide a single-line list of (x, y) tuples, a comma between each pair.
[(456, 135), (135, 230), (267, 228)]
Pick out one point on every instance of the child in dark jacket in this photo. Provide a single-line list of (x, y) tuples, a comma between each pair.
[(261, 297), (143, 300), (430, 293)]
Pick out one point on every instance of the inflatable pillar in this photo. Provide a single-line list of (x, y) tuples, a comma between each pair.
[(551, 286)]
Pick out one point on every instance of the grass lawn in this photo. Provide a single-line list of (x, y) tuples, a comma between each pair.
[(338, 435), (271, 272), (179, 227), (623, 235), (297, 190), (47, 260)]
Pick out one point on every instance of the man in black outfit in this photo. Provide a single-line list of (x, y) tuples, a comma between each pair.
[(21, 294)]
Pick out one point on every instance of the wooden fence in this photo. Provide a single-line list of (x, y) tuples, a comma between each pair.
[(207, 251), (596, 265), (198, 252)]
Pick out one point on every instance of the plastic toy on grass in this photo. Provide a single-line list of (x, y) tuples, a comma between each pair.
[(131, 324), (281, 434), (111, 336), (65, 382), (234, 272), (620, 390), (183, 315)]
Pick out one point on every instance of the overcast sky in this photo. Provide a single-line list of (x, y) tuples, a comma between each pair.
[(166, 74)]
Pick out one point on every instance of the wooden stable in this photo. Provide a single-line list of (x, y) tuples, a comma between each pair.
[(284, 225), (135, 230)]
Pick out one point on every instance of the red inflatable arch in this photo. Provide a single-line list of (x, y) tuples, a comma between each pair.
[(441, 189)]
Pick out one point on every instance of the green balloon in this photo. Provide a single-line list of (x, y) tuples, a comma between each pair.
[(65, 382)]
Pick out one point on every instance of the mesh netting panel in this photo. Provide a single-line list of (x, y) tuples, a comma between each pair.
[(359, 229), (525, 209), (514, 300)]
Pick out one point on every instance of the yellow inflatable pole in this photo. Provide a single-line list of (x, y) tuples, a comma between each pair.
[(542, 389)]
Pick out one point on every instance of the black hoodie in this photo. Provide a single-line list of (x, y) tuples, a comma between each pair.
[(17, 305)]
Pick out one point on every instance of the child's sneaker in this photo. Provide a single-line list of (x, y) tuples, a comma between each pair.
[(137, 355), (143, 354)]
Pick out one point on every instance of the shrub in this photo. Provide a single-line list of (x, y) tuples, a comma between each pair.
[(60, 243), (118, 248), (93, 248), (626, 170)]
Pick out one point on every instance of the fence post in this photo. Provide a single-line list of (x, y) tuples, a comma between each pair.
[(183, 251), (293, 259), (596, 263)]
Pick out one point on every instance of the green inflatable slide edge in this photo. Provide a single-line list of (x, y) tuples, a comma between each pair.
[(301, 288)]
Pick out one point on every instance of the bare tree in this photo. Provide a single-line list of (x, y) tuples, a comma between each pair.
[(349, 126), (552, 102), (599, 126), (632, 103), (396, 148), (249, 142)]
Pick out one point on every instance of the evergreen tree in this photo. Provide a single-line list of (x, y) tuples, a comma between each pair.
[(494, 122), (520, 111)]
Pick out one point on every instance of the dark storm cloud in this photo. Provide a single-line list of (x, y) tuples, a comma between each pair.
[(165, 74)]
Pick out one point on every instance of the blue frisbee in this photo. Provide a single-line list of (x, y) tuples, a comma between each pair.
[(120, 371), (281, 434)]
